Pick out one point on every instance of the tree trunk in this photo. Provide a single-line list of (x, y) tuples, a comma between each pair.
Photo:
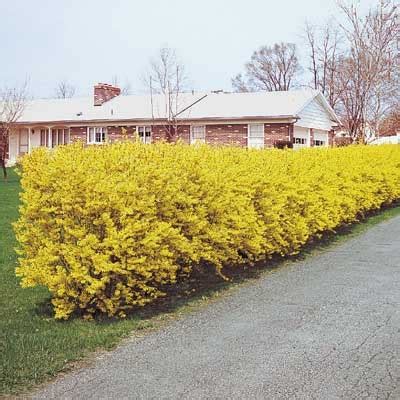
[(3, 166)]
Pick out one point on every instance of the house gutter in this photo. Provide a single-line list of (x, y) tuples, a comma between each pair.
[(116, 122)]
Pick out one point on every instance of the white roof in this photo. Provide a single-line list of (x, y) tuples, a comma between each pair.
[(263, 105), (83, 109), (252, 104)]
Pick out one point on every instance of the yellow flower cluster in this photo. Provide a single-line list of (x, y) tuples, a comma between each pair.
[(104, 228)]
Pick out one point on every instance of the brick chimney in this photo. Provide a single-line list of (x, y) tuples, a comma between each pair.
[(104, 92)]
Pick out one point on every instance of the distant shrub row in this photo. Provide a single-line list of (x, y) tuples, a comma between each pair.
[(104, 228)]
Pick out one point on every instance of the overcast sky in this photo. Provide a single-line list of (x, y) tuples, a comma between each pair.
[(88, 41)]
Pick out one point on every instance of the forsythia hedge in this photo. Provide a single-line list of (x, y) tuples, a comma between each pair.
[(105, 227)]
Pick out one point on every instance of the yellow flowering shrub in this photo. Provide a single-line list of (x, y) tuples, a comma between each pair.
[(105, 228)]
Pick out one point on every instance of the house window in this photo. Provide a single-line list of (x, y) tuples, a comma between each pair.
[(97, 135), (198, 134), (319, 143), (144, 133), (255, 138), (298, 140), (59, 137)]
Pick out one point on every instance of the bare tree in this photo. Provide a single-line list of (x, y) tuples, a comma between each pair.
[(64, 90), (356, 66), (270, 69), (391, 123), (126, 88), (383, 103), (12, 105), (370, 66), (167, 77), (239, 84), (324, 56)]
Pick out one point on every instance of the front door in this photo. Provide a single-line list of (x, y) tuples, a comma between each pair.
[(23, 142)]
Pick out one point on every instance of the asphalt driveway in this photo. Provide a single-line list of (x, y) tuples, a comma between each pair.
[(324, 328)]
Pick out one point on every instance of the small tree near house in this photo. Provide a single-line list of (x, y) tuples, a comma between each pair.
[(324, 53), (166, 77), (12, 105)]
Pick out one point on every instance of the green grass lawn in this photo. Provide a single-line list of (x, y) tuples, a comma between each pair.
[(34, 347)]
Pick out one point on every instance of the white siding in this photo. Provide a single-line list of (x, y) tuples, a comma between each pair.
[(315, 116), (35, 138)]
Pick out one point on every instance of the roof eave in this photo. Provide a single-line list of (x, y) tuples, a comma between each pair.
[(87, 121), (241, 118), (149, 120)]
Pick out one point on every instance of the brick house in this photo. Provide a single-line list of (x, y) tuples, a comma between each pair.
[(262, 119)]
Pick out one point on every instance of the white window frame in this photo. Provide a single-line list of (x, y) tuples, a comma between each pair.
[(256, 141), (103, 131), (194, 131), (141, 131)]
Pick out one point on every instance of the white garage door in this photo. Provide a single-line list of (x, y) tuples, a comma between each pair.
[(321, 138), (301, 137)]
